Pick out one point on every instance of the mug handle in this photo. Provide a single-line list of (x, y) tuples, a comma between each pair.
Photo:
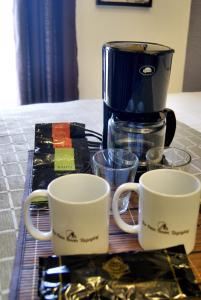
[(124, 188), (36, 233)]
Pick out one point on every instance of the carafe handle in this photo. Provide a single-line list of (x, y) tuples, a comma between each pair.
[(170, 125)]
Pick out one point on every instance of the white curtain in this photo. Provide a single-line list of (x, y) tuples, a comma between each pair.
[(9, 88)]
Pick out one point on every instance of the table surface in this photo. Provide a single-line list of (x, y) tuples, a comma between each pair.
[(17, 137)]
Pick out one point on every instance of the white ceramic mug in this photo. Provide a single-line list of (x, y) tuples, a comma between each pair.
[(79, 214), (169, 202)]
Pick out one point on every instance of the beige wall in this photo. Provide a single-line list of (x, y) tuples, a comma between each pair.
[(166, 22)]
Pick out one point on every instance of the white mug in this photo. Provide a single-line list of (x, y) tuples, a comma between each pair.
[(169, 202), (79, 214)]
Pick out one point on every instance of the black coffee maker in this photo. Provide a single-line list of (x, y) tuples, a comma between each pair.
[(135, 82)]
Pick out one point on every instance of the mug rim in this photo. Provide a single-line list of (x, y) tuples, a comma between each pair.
[(148, 173), (106, 184)]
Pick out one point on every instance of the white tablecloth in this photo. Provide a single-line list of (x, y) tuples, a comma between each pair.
[(17, 137)]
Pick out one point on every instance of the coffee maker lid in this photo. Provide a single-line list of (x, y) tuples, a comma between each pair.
[(138, 47)]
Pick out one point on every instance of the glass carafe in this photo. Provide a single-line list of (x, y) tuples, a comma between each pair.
[(138, 137)]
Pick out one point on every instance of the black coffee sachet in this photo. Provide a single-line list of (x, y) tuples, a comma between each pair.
[(159, 274), (49, 135), (60, 148)]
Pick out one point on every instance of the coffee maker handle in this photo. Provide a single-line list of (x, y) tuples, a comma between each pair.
[(170, 126)]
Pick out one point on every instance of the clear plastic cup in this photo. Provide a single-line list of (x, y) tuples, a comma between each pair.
[(117, 166), (168, 158)]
